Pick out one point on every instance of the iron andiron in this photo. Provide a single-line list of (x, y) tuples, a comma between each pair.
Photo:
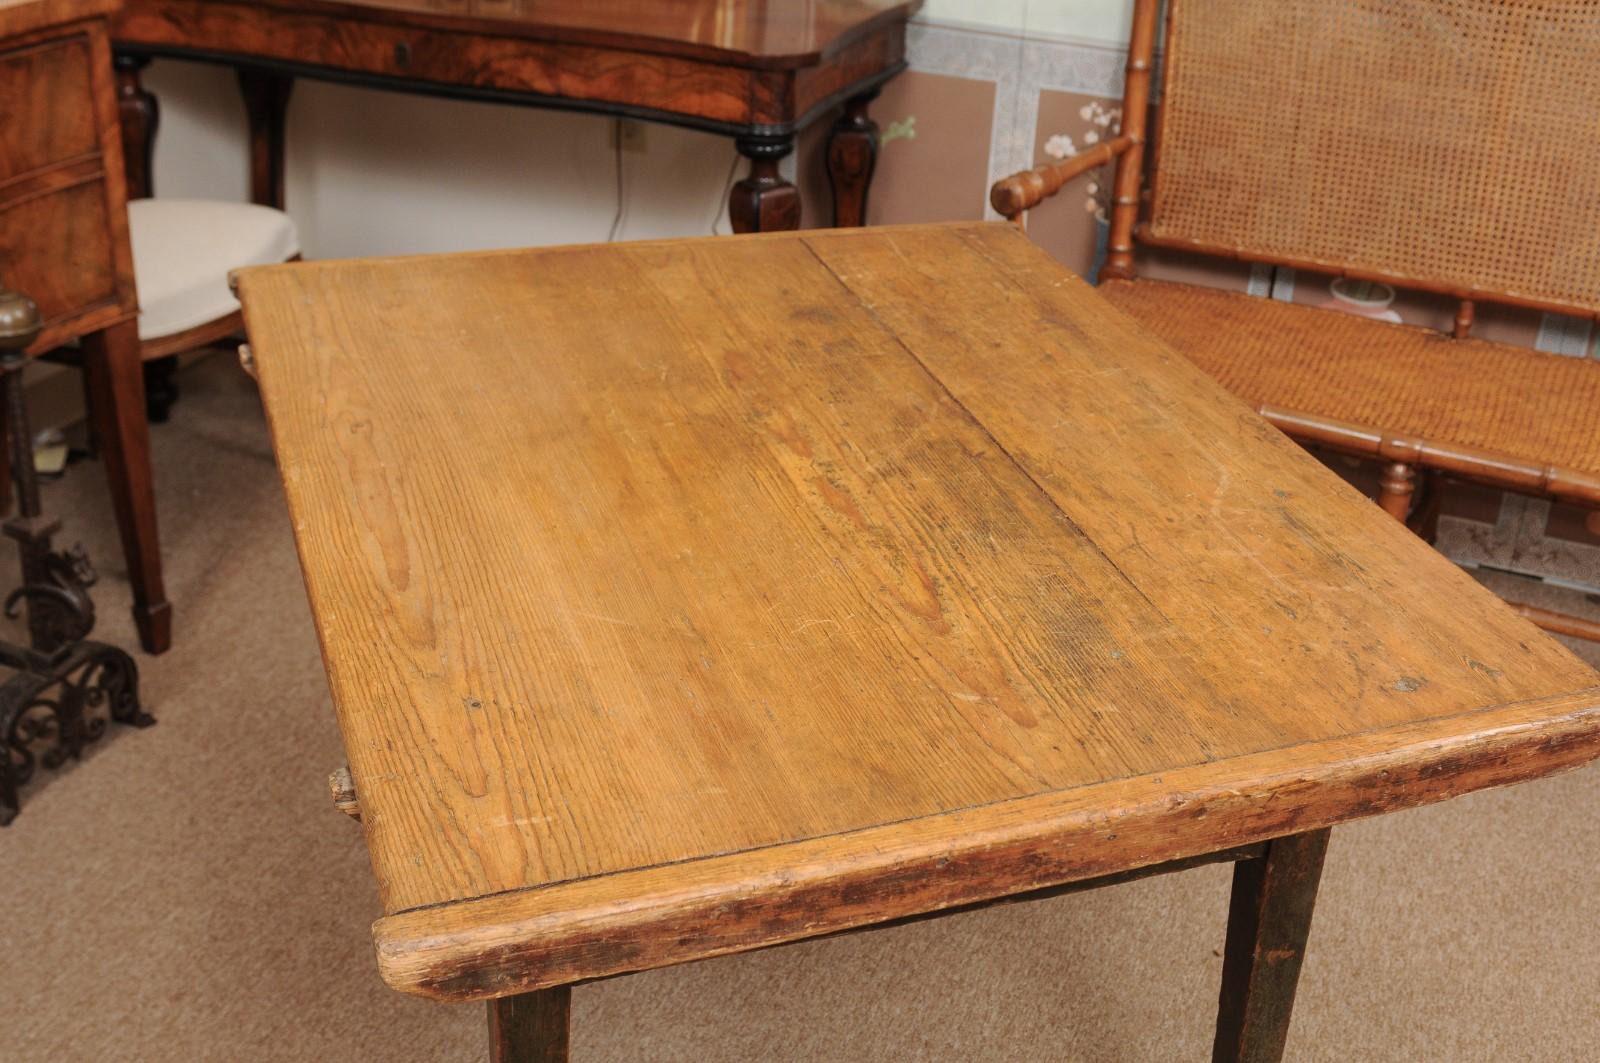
[(50, 707)]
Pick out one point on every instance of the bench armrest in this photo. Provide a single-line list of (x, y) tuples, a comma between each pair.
[(1012, 195)]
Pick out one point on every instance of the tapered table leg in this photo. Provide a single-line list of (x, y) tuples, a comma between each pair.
[(852, 157), (1269, 917), (114, 388), (765, 201), (530, 1027)]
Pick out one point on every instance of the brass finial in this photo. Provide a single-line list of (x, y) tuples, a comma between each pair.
[(19, 320)]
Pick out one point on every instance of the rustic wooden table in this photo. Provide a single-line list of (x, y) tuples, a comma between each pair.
[(665, 620)]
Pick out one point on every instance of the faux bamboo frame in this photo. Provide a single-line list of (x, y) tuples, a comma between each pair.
[(1013, 196)]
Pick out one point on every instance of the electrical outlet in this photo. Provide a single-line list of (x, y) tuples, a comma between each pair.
[(629, 134)]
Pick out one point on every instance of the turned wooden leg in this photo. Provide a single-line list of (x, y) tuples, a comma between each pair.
[(1269, 917), (1395, 488), (114, 389), (266, 106), (138, 116), (160, 388), (530, 1027), (852, 157), (764, 202), (1429, 504)]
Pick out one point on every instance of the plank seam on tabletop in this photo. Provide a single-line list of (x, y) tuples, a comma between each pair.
[(973, 419)]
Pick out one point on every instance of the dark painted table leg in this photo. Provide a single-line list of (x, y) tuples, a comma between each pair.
[(530, 1027), (139, 115), (764, 202), (266, 106), (1269, 918), (114, 388), (852, 157)]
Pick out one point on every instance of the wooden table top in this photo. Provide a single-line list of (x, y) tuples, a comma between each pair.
[(777, 34), (685, 597)]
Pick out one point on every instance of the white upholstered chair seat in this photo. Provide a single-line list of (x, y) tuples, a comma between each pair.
[(183, 250)]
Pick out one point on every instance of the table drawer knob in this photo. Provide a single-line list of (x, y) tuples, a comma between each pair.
[(343, 789)]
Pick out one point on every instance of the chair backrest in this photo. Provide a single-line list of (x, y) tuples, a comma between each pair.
[(1447, 145)]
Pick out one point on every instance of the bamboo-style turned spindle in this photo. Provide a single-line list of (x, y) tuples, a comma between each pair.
[(1136, 104)]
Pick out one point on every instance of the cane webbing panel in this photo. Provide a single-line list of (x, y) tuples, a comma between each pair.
[(1448, 142), (1540, 408)]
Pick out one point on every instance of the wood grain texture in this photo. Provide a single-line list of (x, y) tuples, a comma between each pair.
[(49, 118), (596, 928), (757, 66), (56, 246), (922, 576), (63, 226), (19, 17), (763, 34)]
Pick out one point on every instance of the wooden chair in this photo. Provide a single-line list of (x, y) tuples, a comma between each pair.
[(183, 250), (1446, 146)]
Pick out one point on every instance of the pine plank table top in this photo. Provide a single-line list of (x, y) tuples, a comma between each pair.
[(687, 597)]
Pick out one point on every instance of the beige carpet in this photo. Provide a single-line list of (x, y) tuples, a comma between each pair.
[(188, 892)]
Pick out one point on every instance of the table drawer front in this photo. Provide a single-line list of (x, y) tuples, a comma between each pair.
[(49, 111), (56, 247)]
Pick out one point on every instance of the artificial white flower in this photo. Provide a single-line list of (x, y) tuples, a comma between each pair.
[(1060, 146)]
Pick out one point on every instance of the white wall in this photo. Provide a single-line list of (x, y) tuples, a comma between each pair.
[(1101, 21), (372, 172)]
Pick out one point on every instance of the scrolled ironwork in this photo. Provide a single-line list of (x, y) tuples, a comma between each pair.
[(64, 691), (48, 717)]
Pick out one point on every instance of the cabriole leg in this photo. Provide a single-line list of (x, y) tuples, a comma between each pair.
[(1269, 918), (530, 1027)]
